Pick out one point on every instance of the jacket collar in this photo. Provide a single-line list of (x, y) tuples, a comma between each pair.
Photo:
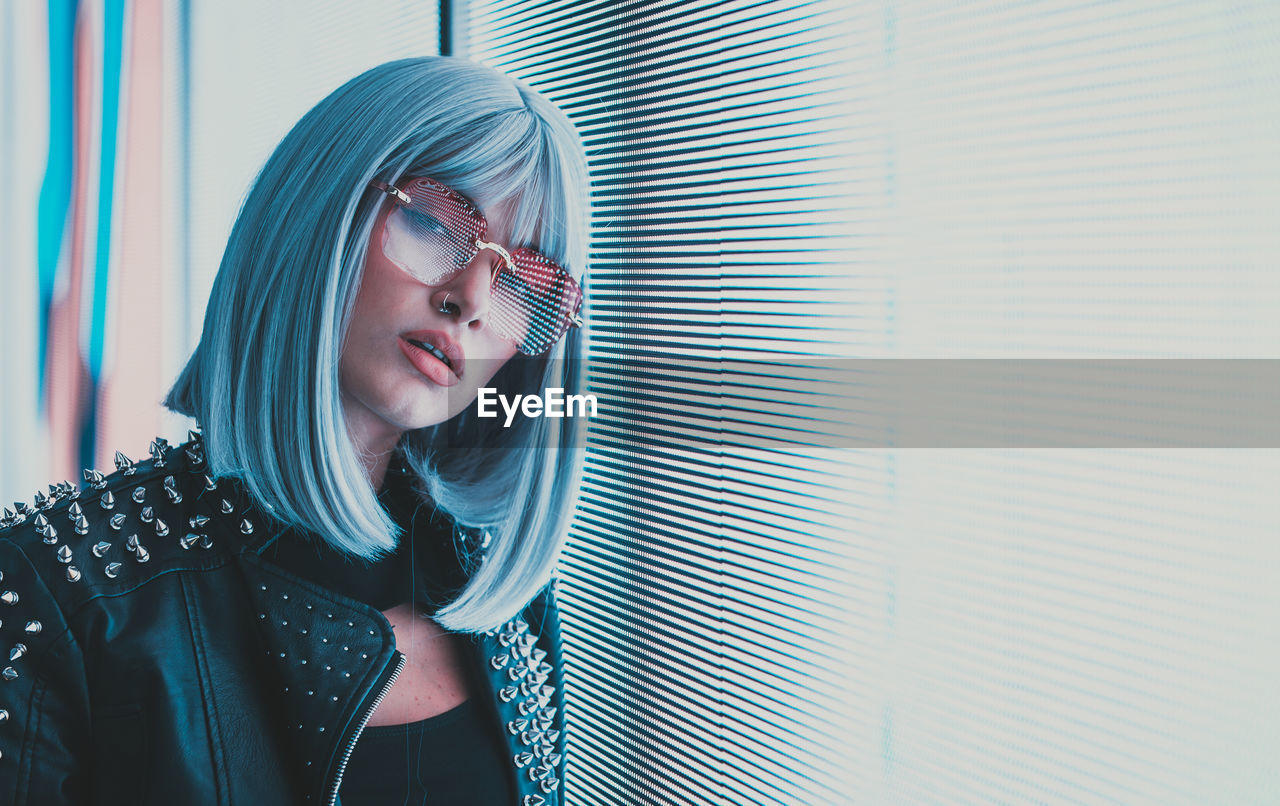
[(327, 657)]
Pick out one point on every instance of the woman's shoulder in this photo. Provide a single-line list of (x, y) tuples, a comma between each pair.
[(116, 531)]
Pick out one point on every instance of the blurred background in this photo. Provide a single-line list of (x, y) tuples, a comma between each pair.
[(770, 615)]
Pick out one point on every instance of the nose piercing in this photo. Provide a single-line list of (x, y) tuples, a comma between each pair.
[(444, 306)]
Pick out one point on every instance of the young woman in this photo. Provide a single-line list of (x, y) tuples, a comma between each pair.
[(339, 590)]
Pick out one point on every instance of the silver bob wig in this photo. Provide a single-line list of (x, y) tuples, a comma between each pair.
[(263, 381)]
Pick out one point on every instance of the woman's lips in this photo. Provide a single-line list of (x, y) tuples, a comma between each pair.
[(427, 364), (443, 343)]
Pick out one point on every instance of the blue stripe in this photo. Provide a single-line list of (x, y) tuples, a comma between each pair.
[(113, 45), (55, 190)]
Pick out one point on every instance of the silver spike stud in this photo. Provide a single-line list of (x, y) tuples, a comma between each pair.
[(246, 527), (9, 597), (74, 511), (157, 449), (33, 627), (107, 501), (48, 534), (523, 759), (142, 555), (117, 521), (95, 479), (498, 662), (17, 652), (100, 548), (206, 542), (4, 716), (64, 554), (113, 570), (225, 507), (42, 500), (533, 800), (162, 528), (209, 483), (188, 541), (40, 522), (9, 673), (124, 463), (131, 542), (148, 515), (507, 694), (73, 574), (139, 493), (82, 525), (198, 521)]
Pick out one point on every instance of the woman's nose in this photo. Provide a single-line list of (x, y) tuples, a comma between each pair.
[(469, 291)]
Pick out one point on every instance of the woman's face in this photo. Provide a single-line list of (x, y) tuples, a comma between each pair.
[(391, 381)]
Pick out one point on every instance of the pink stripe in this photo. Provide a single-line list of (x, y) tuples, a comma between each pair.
[(68, 374), (129, 411)]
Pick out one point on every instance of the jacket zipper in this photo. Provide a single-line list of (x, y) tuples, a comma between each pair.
[(364, 720)]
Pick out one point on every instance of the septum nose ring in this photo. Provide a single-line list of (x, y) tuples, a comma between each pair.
[(444, 306)]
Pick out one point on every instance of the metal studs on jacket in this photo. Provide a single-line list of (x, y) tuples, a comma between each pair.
[(99, 543), (532, 715), (95, 519)]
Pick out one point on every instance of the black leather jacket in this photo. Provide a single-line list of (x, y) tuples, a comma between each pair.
[(153, 656)]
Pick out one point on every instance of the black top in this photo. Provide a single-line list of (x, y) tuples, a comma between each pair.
[(456, 758), (453, 759)]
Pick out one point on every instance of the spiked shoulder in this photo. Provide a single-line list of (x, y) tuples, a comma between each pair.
[(114, 532)]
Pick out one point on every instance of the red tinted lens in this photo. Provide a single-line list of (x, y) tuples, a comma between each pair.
[(455, 214), (534, 301), (434, 236)]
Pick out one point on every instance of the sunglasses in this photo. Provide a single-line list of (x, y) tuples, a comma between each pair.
[(434, 232)]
